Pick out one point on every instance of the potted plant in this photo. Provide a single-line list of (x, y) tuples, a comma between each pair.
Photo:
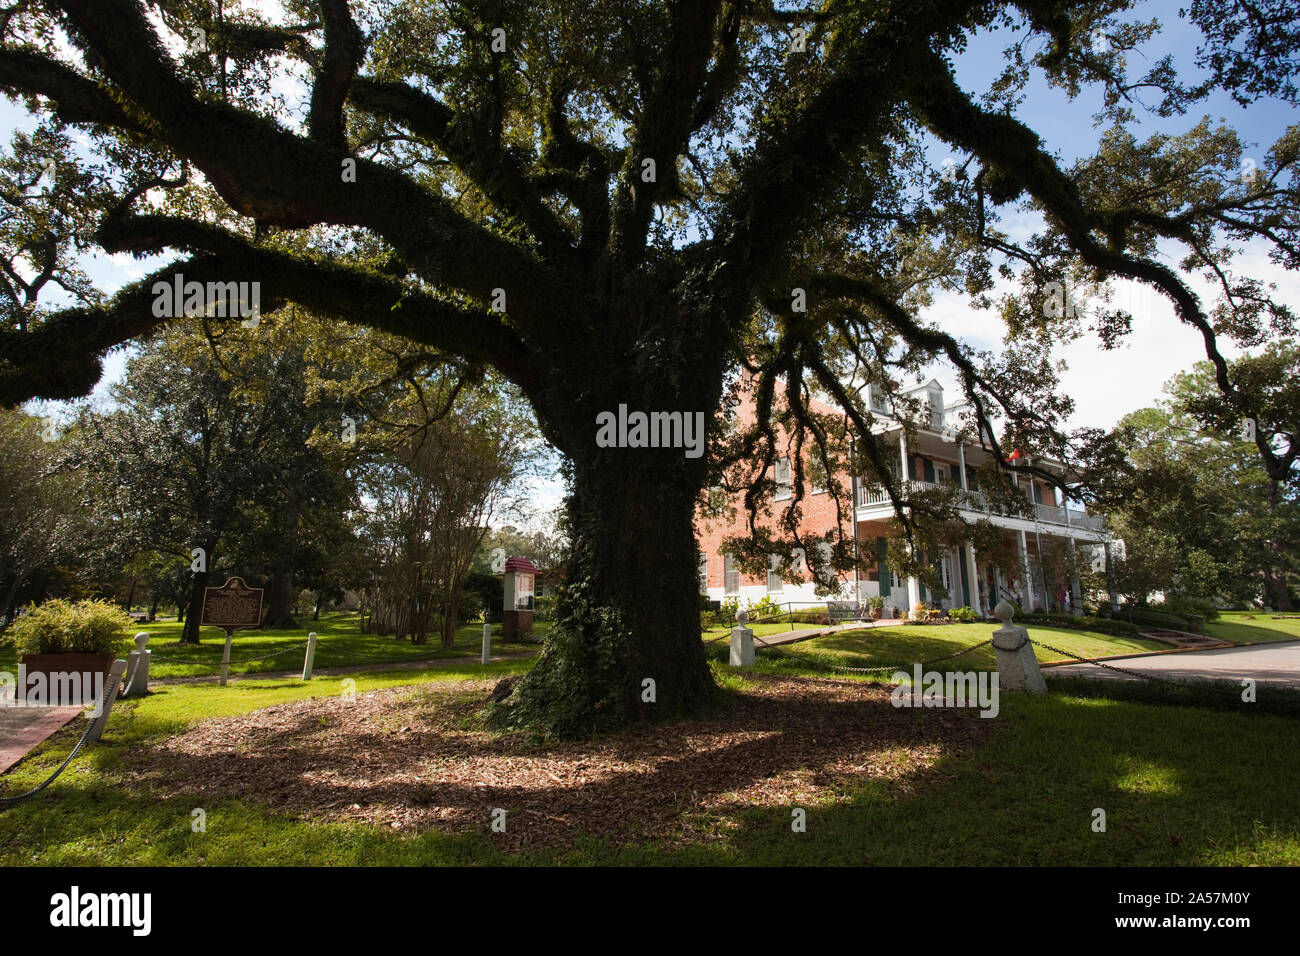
[(63, 637), (877, 606)]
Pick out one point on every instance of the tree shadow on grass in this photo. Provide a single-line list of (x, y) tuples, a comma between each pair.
[(1178, 787)]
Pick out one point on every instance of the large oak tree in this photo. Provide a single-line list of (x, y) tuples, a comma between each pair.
[(627, 202)]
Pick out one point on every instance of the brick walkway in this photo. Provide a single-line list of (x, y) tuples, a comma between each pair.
[(22, 728)]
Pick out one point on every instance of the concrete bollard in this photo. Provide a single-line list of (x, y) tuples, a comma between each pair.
[(1017, 666), (111, 687), (487, 641), (742, 642), (137, 668), (310, 658)]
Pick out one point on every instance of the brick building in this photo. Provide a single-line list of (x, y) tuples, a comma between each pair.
[(1052, 528)]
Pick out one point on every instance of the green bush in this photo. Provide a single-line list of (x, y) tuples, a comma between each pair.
[(1099, 624), (963, 614), (483, 594), (64, 627), (1189, 607), (1153, 618), (544, 608)]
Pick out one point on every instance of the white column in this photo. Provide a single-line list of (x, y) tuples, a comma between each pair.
[(1027, 591), (961, 464), (902, 453), (913, 593), (975, 600), (1076, 592)]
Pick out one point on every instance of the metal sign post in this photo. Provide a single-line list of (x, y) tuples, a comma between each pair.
[(230, 607)]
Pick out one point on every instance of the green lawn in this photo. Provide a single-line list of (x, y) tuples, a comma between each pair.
[(1024, 797), (339, 643), (1247, 627)]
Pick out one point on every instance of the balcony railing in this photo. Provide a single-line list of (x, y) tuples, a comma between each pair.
[(974, 501)]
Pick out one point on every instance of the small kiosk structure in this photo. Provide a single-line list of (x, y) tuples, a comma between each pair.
[(517, 594)]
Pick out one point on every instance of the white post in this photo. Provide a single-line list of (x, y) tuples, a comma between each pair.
[(225, 658), (976, 599), (905, 474), (961, 463), (137, 668), (742, 642), (105, 704), (487, 641), (1028, 588), (1018, 668), (311, 656)]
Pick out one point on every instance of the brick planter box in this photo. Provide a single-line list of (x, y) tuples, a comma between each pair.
[(86, 665)]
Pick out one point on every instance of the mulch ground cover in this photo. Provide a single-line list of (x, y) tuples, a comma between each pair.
[(419, 758)]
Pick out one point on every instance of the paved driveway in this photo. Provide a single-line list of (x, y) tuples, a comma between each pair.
[(1277, 663)]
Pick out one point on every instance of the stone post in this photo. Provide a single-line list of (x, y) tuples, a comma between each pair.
[(742, 642), (310, 658), (137, 668), (1017, 666), (111, 687)]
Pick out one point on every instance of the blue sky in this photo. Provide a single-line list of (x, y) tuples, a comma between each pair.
[(1104, 386)]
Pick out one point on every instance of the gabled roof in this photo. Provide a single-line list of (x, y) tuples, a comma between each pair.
[(520, 564)]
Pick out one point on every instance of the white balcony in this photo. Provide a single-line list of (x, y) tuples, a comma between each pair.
[(875, 495)]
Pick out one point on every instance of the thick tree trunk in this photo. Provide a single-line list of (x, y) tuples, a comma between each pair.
[(279, 604), (1276, 593), (194, 611), (625, 645), (153, 608)]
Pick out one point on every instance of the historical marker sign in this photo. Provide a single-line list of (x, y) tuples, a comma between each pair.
[(232, 605)]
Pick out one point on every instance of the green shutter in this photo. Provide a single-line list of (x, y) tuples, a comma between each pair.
[(929, 469), (882, 565), (965, 582), (911, 467)]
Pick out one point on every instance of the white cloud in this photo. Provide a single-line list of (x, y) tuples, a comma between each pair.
[(1106, 385)]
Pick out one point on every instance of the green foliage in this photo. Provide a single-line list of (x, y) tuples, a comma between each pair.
[(483, 591), (544, 608), (66, 627), (964, 615), (1151, 618), (1101, 625)]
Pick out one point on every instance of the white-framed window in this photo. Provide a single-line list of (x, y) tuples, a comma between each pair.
[(781, 472), (704, 572), (730, 575), (942, 473), (816, 477), (775, 583), (524, 592)]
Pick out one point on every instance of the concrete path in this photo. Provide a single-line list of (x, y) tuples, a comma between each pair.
[(808, 633), (1275, 663)]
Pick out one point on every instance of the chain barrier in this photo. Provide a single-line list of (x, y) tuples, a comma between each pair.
[(1109, 667), (890, 667), (217, 665), (7, 802)]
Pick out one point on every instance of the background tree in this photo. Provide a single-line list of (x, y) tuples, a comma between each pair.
[(1198, 511), (626, 203)]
